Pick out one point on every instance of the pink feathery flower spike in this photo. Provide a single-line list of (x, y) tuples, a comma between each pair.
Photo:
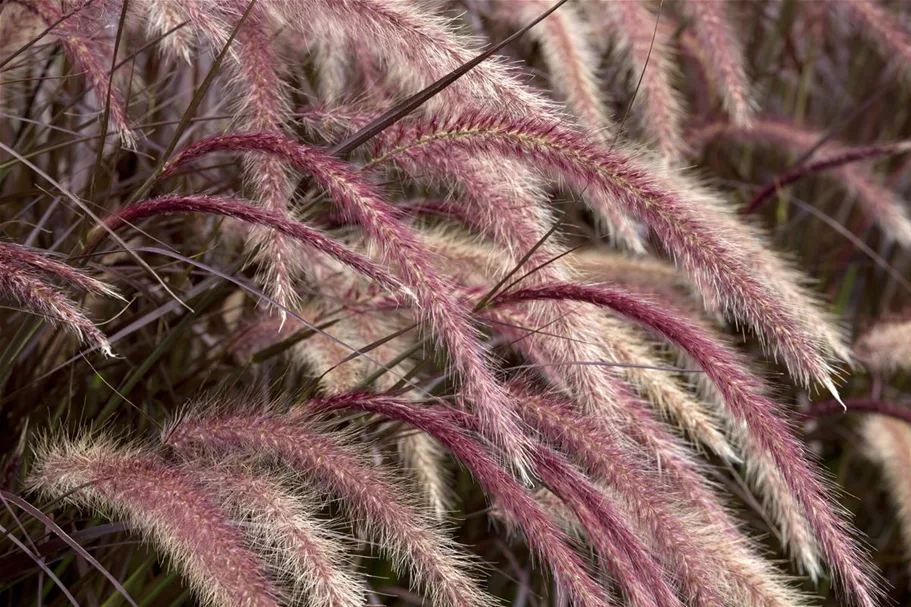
[(445, 315), (768, 436), (284, 522), (689, 221), (24, 278), (87, 54), (523, 513), (167, 506), (675, 509), (727, 71), (372, 498)]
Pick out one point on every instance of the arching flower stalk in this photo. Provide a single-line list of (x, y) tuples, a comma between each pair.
[(592, 337), (671, 509), (169, 507), (442, 313), (24, 278), (767, 438), (688, 220), (520, 510), (369, 495)]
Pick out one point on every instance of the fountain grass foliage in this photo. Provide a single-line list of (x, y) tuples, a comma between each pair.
[(616, 317)]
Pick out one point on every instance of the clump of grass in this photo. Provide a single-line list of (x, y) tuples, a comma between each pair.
[(453, 331)]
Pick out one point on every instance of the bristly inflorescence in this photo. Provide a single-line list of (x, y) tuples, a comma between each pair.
[(509, 347)]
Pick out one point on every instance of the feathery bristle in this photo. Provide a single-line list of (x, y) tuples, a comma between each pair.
[(522, 512), (714, 33), (169, 507), (303, 550), (368, 493), (767, 436)]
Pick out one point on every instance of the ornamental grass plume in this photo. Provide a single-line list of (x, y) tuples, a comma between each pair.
[(521, 512), (429, 303), (605, 339), (301, 549), (441, 312), (766, 438), (24, 278), (374, 500), (713, 30), (169, 507), (785, 317)]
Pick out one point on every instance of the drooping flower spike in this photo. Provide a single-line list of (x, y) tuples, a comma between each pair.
[(168, 506), (75, 31), (765, 436), (24, 278), (691, 224), (442, 313), (374, 500)]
